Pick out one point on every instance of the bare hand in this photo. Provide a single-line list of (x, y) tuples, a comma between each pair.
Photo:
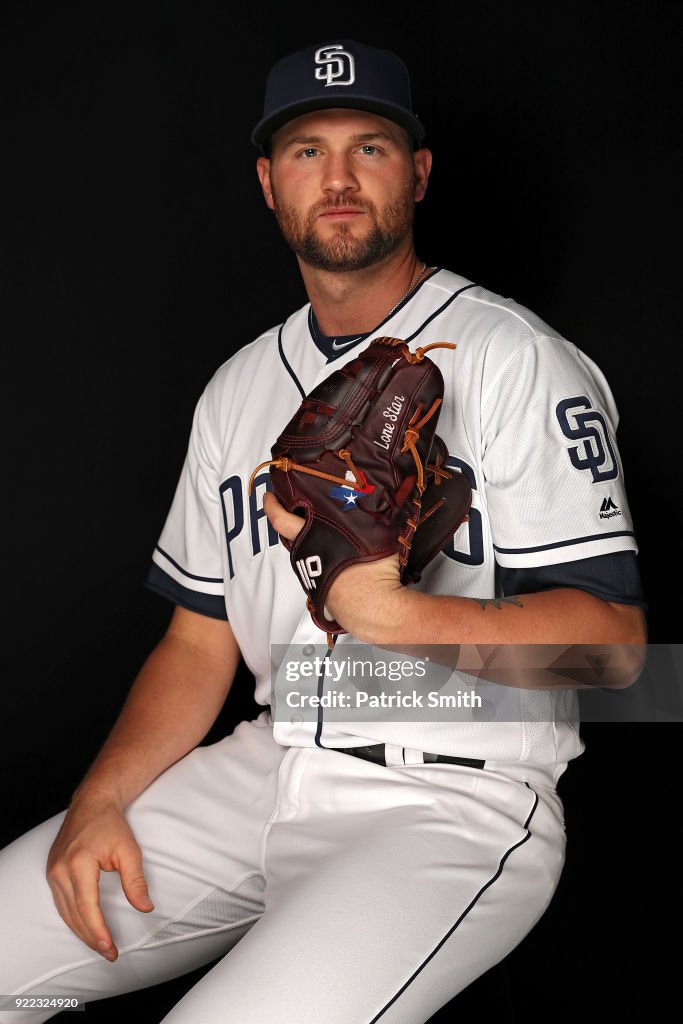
[(94, 837)]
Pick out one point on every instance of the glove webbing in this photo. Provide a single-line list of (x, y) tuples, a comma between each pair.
[(412, 435), (439, 474)]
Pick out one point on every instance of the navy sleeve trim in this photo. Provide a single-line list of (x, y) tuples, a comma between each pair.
[(613, 577), (564, 543), (161, 583), (190, 575)]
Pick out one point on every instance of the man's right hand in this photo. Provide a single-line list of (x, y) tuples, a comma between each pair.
[(171, 706), (94, 837)]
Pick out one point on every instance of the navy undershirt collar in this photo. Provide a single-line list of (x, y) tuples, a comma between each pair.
[(332, 348)]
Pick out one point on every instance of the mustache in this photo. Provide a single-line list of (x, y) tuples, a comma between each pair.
[(339, 203)]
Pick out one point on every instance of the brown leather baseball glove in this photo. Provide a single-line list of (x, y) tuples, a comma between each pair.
[(360, 462)]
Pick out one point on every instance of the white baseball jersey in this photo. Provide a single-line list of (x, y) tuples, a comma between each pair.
[(263, 828), (527, 416)]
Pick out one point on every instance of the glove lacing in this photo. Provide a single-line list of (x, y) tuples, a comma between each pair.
[(410, 438)]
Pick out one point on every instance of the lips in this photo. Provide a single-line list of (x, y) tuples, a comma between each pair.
[(341, 214)]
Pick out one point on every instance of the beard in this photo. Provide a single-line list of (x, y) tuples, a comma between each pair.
[(389, 227)]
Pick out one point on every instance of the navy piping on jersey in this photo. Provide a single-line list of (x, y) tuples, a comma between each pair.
[(465, 912), (319, 339), (161, 583), (439, 310), (321, 678), (190, 575), (563, 543), (289, 369)]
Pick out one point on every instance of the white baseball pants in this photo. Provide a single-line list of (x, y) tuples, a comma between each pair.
[(334, 889)]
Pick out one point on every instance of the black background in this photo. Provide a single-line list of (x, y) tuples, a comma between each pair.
[(137, 255)]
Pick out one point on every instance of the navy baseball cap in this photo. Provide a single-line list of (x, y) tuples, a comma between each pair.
[(341, 73)]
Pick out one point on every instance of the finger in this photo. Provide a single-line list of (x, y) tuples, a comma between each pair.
[(104, 946), (133, 881), (86, 900), (69, 900), (283, 522), (70, 917)]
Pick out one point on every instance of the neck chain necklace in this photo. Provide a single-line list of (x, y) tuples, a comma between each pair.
[(413, 284)]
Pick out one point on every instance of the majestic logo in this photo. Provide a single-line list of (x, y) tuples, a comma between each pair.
[(589, 427), (335, 65), (608, 509), (308, 569)]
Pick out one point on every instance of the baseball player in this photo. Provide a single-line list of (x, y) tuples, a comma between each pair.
[(341, 871)]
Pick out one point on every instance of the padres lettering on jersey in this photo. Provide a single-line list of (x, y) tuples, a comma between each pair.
[(527, 416)]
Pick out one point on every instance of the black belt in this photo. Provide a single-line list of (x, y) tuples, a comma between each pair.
[(376, 752)]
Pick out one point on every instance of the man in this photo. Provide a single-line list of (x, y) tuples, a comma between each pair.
[(342, 872)]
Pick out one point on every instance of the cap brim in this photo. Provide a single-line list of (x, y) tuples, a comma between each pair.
[(266, 127)]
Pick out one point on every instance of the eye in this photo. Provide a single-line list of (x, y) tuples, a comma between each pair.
[(309, 152), (368, 149)]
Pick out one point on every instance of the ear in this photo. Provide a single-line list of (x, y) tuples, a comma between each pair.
[(263, 171), (422, 160)]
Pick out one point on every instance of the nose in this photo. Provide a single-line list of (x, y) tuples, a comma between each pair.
[(338, 174)]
